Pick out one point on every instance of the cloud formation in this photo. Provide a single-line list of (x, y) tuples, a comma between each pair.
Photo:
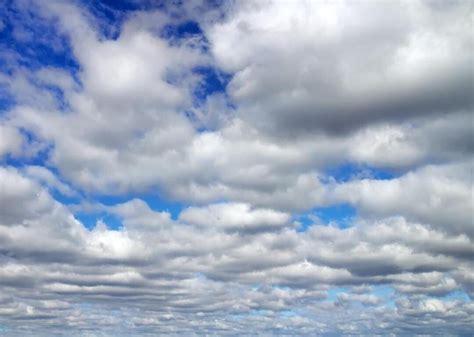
[(183, 169)]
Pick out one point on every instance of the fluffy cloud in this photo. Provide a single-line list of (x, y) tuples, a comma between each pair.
[(235, 217), (185, 266), (438, 195), (10, 140), (345, 65), (118, 127)]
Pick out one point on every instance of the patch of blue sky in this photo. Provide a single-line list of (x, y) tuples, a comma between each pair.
[(259, 312), (176, 33), (341, 215), (383, 291), (281, 287), (333, 292), (90, 219), (458, 295), (200, 275), (7, 100), (114, 5), (64, 199), (57, 93), (290, 313), (211, 84), (234, 317), (386, 293), (109, 15), (352, 171), (212, 81), (29, 41), (87, 306), (160, 204)]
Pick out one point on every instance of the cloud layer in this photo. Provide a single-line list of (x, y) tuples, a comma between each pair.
[(183, 170)]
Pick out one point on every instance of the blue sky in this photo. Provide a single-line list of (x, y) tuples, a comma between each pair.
[(225, 168)]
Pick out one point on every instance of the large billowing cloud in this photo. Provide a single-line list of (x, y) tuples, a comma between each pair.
[(303, 66), (263, 168)]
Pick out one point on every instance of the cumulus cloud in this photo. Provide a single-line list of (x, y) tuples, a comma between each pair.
[(438, 195), (235, 217), (175, 170), (185, 267), (345, 65)]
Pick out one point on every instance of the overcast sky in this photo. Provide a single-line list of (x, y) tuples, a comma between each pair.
[(283, 167)]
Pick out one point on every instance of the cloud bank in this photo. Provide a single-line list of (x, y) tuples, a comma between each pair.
[(236, 168)]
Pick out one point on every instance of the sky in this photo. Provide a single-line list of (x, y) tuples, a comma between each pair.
[(236, 168)]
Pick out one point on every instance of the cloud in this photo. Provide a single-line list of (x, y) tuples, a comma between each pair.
[(237, 217), (11, 140), (251, 118), (439, 195), (45, 176), (342, 66), (190, 265)]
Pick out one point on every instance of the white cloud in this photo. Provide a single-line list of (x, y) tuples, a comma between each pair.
[(305, 66), (191, 267), (239, 217), (313, 86), (45, 176), (11, 140), (438, 195)]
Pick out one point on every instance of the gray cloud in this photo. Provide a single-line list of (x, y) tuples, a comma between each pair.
[(343, 66)]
